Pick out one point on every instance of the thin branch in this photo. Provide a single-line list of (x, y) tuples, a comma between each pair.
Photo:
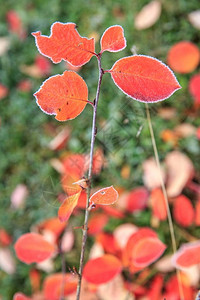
[(85, 228), (171, 227)]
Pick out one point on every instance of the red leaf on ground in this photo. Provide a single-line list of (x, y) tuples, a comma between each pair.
[(65, 43), (137, 199), (158, 204), (105, 196), (187, 255), (3, 91), (32, 247), (53, 284), (20, 296), (67, 207), (63, 95), (131, 74), (96, 223), (183, 211), (183, 57), (146, 251), (102, 269), (194, 88), (113, 39)]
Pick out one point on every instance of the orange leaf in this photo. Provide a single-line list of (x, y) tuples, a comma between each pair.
[(67, 207), (65, 43), (146, 251), (96, 223), (32, 247), (53, 284), (183, 211), (54, 225), (34, 277), (102, 269), (113, 39), (63, 95), (183, 57), (158, 204), (187, 255), (105, 196), (5, 238), (20, 296), (144, 78)]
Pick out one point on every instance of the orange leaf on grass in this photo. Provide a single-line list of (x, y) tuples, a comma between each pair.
[(187, 255), (146, 251), (183, 57), (113, 39), (63, 95), (158, 204), (67, 207), (183, 211), (32, 247), (105, 196), (131, 74), (20, 296), (65, 43), (53, 285), (102, 269)]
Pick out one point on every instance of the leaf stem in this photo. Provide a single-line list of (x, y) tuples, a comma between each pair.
[(85, 227)]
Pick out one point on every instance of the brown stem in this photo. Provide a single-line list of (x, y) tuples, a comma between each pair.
[(85, 228)]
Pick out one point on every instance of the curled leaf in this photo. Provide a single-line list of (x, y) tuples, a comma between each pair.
[(144, 78), (187, 255), (63, 95), (68, 206), (113, 39), (105, 196), (65, 43), (32, 247), (102, 269)]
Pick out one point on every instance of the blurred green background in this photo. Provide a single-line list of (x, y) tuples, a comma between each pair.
[(25, 131)]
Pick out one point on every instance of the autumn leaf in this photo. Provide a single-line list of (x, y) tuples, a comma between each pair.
[(20, 296), (187, 255), (113, 39), (65, 43), (32, 247), (183, 57), (68, 206), (183, 211), (63, 95), (52, 286), (194, 88), (105, 196), (144, 78), (102, 269), (158, 204), (96, 223), (148, 16)]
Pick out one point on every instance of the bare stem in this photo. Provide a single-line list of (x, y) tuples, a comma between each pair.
[(85, 228)]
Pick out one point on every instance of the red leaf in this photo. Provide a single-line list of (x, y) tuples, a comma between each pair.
[(20, 296), (102, 269), (68, 206), (113, 39), (105, 196), (54, 225), (144, 78), (32, 247), (5, 238), (183, 211), (158, 204), (65, 43), (53, 284), (146, 251), (63, 95), (194, 88), (3, 91), (137, 199), (156, 287), (187, 255), (197, 213), (109, 243), (183, 57), (96, 223)]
